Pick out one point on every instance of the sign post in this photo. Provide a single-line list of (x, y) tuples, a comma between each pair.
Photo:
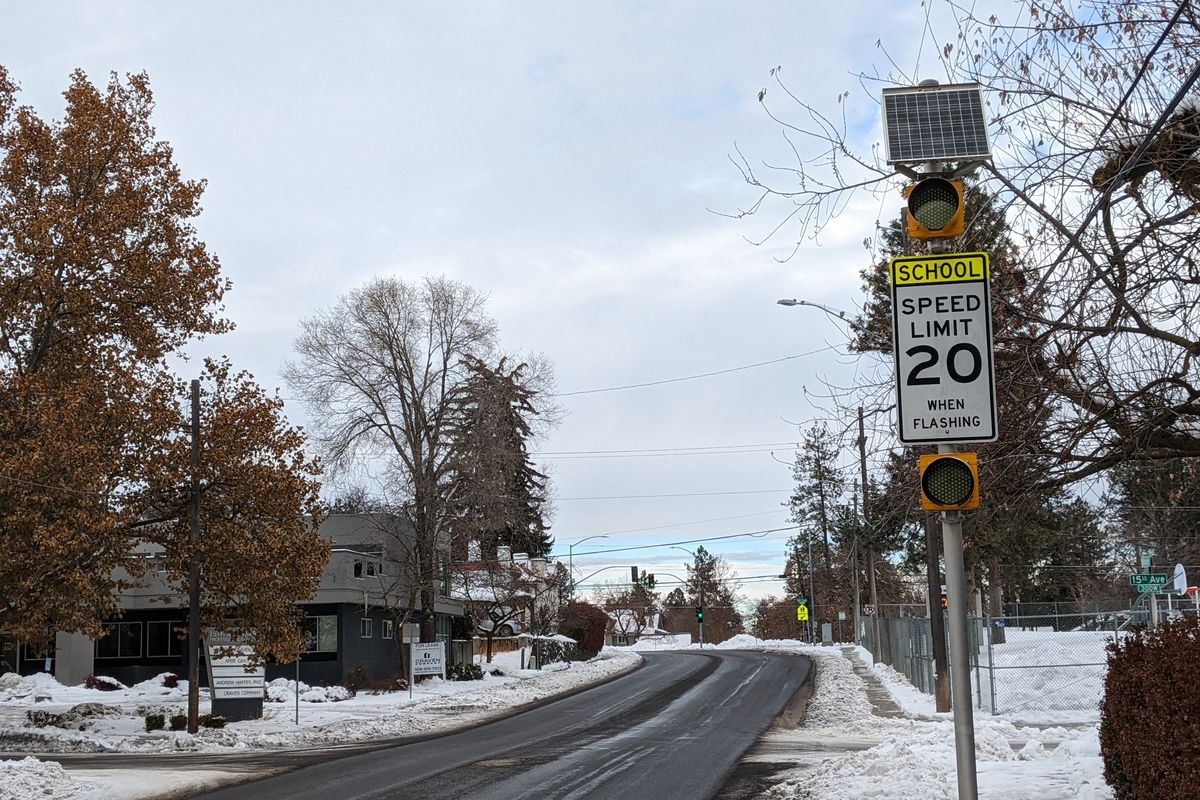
[(946, 395)]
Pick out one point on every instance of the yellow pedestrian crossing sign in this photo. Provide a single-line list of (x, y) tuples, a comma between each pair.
[(802, 613)]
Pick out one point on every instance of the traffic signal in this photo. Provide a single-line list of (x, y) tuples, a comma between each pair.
[(949, 481), (935, 208), (945, 601), (650, 580), (699, 614)]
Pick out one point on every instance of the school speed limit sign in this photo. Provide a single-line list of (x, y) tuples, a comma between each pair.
[(942, 337)]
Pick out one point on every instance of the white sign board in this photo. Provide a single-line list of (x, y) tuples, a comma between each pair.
[(942, 337), (428, 658), (227, 675)]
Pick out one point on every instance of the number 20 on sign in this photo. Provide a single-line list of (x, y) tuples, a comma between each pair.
[(942, 329)]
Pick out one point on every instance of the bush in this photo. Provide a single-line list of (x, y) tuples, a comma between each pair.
[(396, 683), (552, 650), (155, 722), (355, 679), (171, 680), (586, 624), (212, 721), (1150, 716), (178, 722), (43, 719), (464, 672), (102, 684)]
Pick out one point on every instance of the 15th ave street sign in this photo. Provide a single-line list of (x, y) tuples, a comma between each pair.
[(942, 334), (1149, 582)]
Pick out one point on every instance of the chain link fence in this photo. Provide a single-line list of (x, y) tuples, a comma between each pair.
[(1049, 665)]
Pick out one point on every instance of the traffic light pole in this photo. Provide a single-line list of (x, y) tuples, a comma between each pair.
[(960, 669)]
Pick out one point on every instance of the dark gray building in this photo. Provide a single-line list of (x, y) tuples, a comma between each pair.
[(350, 628)]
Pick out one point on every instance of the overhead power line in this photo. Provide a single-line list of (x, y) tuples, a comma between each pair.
[(607, 551), (695, 377), (682, 494), (661, 449)]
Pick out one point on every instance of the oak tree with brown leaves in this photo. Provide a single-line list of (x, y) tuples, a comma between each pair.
[(102, 277)]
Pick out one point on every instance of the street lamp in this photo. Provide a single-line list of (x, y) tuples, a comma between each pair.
[(833, 312), (571, 556), (862, 460)]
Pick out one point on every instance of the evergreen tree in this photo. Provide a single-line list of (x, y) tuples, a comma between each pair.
[(819, 485), (1155, 511), (498, 497), (710, 586), (1014, 525)]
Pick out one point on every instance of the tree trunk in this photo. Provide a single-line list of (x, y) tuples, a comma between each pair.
[(995, 602)]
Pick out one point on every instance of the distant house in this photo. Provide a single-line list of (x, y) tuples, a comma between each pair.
[(509, 594), (626, 626), (349, 621)]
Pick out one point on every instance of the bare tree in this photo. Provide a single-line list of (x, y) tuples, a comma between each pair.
[(1096, 132), (377, 371), (504, 596)]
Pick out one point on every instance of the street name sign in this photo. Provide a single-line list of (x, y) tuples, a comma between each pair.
[(1148, 582), (942, 341)]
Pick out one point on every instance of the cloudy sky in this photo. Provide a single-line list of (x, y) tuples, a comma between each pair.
[(565, 157)]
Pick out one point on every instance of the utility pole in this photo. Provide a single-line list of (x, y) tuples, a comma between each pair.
[(862, 465), (195, 651), (937, 620)]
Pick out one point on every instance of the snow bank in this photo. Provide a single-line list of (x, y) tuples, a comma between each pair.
[(29, 777)]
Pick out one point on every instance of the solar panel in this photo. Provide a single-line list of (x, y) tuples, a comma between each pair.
[(935, 123)]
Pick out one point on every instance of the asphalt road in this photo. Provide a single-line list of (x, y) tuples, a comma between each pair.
[(673, 729)]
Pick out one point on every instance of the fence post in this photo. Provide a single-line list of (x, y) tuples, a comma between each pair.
[(978, 682), (991, 669)]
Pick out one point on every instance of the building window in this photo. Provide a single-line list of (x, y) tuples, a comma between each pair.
[(358, 569), (320, 634), (364, 628), (162, 640), (120, 640), (389, 629), (370, 569)]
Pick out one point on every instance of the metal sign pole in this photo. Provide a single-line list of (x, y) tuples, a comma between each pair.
[(960, 671)]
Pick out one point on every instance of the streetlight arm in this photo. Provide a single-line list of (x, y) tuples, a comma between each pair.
[(833, 312)]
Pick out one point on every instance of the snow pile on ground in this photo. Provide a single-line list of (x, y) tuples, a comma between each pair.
[(29, 777), (920, 765), (283, 690), (913, 757)]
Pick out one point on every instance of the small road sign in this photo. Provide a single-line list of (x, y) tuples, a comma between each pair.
[(802, 613), (1148, 582), (869, 610), (942, 328)]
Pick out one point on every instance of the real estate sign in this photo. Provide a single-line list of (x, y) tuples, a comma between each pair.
[(428, 658)]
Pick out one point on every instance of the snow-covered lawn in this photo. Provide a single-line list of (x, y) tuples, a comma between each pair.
[(114, 721), (1046, 675)]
